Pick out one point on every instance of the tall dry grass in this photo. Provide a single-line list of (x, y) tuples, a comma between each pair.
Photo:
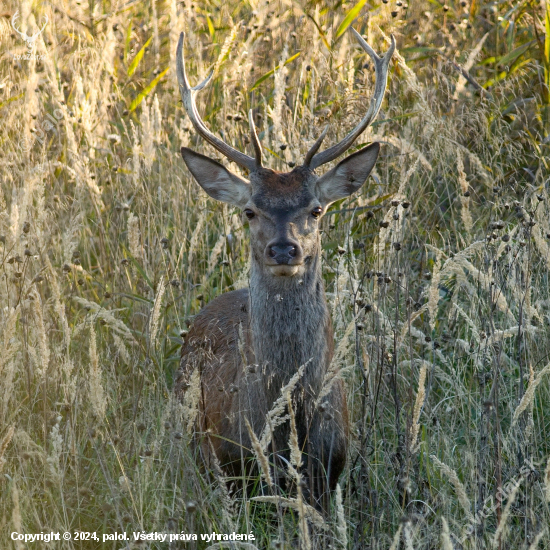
[(437, 271)]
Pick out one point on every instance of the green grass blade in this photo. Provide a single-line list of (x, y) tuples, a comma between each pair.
[(348, 20), (147, 90), (321, 33), (268, 74), (10, 99), (211, 29), (139, 56), (514, 54), (141, 271)]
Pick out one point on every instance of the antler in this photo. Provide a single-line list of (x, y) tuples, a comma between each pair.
[(381, 65), (188, 98)]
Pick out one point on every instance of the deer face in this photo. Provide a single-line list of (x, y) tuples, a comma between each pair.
[(283, 215), (283, 209)]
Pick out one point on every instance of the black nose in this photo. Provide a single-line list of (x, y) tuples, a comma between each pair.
[(282, 253)]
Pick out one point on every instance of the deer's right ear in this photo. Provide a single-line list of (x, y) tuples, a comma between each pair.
[(216, 179)]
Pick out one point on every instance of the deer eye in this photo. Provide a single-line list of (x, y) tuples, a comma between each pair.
[(317, 211), (249, 213)]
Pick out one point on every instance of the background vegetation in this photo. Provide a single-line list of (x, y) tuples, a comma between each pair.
[(437, 272)]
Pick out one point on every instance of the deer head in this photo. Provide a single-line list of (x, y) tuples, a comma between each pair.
[(30, 40), (283, 209)]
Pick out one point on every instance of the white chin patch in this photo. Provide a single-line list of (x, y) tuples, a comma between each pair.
[(284, 270)]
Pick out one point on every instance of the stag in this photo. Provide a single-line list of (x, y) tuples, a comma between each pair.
[(248, 344)]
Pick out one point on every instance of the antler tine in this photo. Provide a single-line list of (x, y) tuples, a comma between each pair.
[(188, 98), (255, 140), (381, 65), (315, 147)]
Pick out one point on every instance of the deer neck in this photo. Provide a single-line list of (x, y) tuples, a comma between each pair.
[(291, 327)]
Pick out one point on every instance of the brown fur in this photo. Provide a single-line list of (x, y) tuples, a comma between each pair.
[(277, 183), (212, 346)]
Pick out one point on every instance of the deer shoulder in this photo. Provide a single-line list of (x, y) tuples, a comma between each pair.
[(214, 338)]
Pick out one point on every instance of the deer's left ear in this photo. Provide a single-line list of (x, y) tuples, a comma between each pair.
[(348, 176)]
